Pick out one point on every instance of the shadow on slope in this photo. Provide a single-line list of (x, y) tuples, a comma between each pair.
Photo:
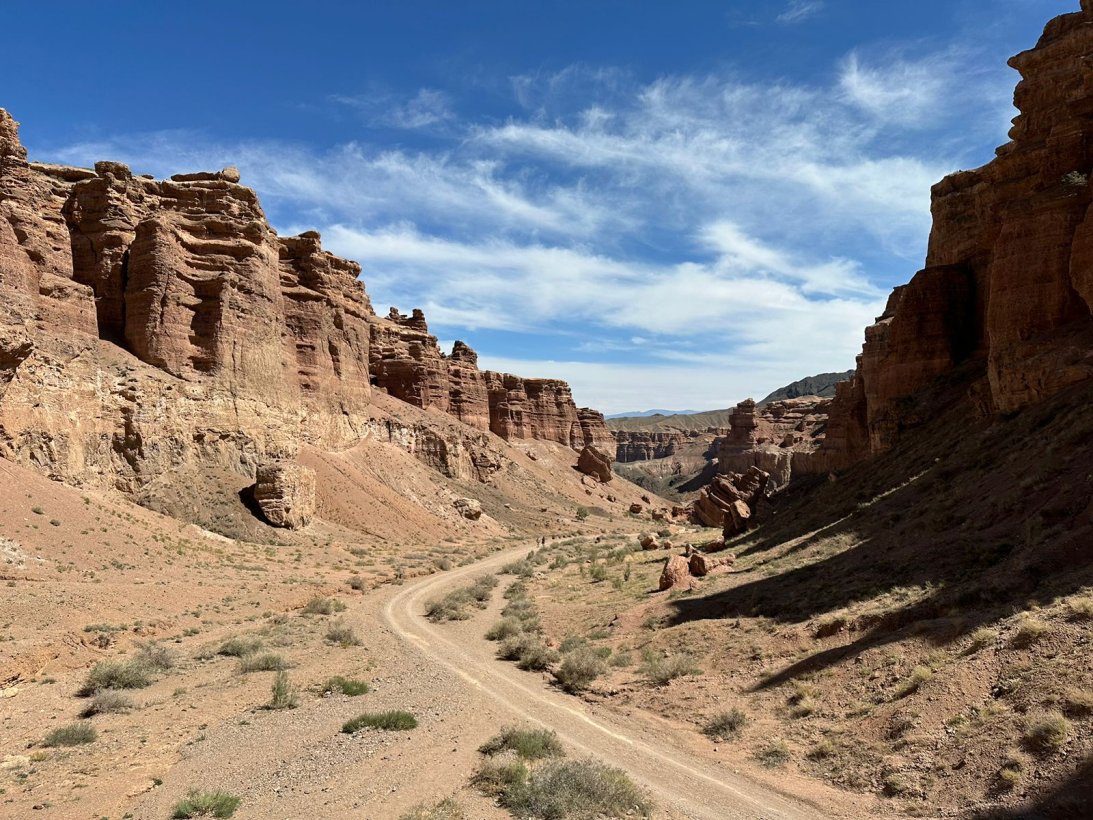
[(982, 518)]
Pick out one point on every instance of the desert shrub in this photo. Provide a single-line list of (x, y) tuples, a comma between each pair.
[(452, 607), (342, 634), (107, 702), (536, 656), (522, 610), (205, 804), (919, 675), (347, 686), (517, 589), (823, 750), (390, 721), (522, 568), (154, 656), (497, 776), (323, 606), (505, 628), (982, 638), (528, 744), (513, 647), (1046, 732), (578, 789), (774, 754), (620, 659), (446, 809), (662, 669), (115, 675), (579, 668), (1078, 702), (356, 582), (483, 588), (583, 513), (725, 725), (598, 573), (282, 693), (266, 662), (239, 647), (897, 784), (75, 734), (1029, 631)]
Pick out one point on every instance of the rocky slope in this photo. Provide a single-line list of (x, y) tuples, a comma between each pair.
[(1004, 302), (822, 384), (156, 327)]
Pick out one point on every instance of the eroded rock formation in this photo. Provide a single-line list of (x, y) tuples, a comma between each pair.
[(773, 437), (1007, 290), (593, 462), (149, 326), (285, 493)]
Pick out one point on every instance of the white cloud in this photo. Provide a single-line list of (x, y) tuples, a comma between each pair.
[(427, 109), (799, 10)]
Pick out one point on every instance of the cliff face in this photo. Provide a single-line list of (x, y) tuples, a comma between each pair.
[(1008, 281), (774, 438), (151, 325), (646, 445)]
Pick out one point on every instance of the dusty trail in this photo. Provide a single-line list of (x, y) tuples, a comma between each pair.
[(680, 783)]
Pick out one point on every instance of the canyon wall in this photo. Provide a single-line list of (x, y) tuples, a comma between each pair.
[(1007, 290), (154, 325)]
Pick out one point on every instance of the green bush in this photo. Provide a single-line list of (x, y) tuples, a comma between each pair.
[(347, 686), (579, 668), (392, 721), (75, 734), (578, 789), (725, 725), (115, 675), (528, 744), (505, 628), (283, 693), (205, 804)]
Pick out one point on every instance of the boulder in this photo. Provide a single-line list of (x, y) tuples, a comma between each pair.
[(647, 540), (593, 462), (676, 573), (636, 508), (469, 508), (702, 565), (285, 493)]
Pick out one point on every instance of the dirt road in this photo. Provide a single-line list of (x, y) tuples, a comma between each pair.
[(681, 784)]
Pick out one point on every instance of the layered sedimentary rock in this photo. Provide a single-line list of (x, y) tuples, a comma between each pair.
[(595, 463), (285, 493), (407, 362), (647, 445), (1008, 281), (773, 437), (152, 327), (732, 501)]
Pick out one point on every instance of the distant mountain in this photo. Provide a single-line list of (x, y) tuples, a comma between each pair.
[(821, 385), (641, 414), (676, 421)]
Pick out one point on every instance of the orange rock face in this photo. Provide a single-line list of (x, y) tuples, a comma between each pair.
[(1008, 280)]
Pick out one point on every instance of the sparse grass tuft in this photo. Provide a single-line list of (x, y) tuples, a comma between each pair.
[(576, 789), (1080, 608), (391, 721), (725, 725), (75, 734), (342, 634), (497, 776), (528, 744), (107, 702), (446, 809), (115, 675), (579, 668), (982, 638), (239, 647), (1046, 732), (323, 606), (1078, 702), (774, 754), (205, 804), (347, 686), (919, 675), (1029, 631), (283, 693), (1013, 770), (662, 669), (266, 662)]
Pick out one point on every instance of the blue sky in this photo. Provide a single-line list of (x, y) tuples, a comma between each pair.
[(669, 204)]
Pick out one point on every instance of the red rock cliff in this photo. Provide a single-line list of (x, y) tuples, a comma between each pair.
[(1009, 273)]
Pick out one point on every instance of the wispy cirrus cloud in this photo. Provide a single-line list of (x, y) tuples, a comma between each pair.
[(800, 10), (714, 227)]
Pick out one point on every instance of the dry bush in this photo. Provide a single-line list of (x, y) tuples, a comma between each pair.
[(725, 725)]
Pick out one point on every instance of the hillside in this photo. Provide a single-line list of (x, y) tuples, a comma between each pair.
[(822, 385)]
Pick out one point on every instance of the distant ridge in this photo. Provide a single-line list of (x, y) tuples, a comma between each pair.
[(641, 414), (821, 385)]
